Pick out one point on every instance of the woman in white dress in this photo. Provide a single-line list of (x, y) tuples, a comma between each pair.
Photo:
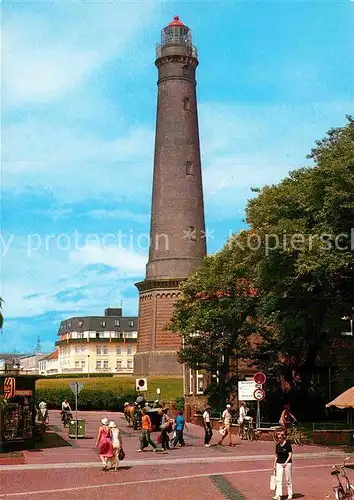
[(116, 443)]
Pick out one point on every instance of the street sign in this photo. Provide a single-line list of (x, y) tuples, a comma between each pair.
[(260, 378), (141, 384), (246, 390), (9, 387), (259, 394), (158, 392), (76, 388)]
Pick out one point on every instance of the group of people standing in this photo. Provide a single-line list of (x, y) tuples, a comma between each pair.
[(167, 426)]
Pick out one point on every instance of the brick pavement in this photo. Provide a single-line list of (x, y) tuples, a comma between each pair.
[(74, 471)]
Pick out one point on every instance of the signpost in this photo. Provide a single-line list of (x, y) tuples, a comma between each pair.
[(259, 394), (246, 390), (76, 389)]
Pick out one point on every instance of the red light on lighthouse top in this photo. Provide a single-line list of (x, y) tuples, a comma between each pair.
[(176, 22)]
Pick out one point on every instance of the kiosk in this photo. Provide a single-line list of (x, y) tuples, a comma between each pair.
[(17, 413)]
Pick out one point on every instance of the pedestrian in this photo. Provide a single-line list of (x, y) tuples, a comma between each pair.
[(43, 413), (117, 444), (286, 419), (283, 465), (241, 418), (207, 427), (227, 423), (104, 444), (166, 427), (146, 428), (179, 428)]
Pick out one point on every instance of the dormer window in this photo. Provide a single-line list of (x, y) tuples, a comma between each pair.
[(116, 322), (131, 323), (103, 323), (81, 323)]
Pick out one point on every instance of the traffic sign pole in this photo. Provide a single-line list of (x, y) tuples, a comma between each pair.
[(258, 418)]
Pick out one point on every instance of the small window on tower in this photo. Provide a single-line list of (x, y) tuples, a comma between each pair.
[(189, 168), (186, 103)]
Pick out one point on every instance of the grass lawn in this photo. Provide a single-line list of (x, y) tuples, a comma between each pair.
[(170, 387)]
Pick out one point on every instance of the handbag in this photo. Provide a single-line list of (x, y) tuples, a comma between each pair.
[(223, 430), (121, 455), (272, 482)]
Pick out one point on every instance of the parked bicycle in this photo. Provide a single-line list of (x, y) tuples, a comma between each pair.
[(293, 434), (249, 432), (344, 489)]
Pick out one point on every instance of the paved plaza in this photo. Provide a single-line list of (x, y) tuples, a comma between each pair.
[(71, 469)]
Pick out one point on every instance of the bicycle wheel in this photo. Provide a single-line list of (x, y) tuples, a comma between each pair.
[(250, 435), (296, 437), (339, 493)]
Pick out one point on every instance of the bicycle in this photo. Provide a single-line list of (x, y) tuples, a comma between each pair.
[(294, 434), (248, 431), (346, 491)]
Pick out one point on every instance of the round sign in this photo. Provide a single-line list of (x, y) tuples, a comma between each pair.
[(260, 378), (141, 383), (259, 394)]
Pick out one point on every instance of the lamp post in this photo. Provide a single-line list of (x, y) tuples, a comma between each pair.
[(88, 366)]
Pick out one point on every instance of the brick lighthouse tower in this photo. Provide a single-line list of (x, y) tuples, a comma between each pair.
[(177, 233)]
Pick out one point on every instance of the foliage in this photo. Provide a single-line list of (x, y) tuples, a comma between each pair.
[(276, 292), (180, 403), (170, 387), (1, 316)]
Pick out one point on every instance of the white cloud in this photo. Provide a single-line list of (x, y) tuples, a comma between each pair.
[(130, 262), (42, 59)]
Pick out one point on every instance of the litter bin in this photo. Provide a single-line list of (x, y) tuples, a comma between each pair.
[(77, 428)]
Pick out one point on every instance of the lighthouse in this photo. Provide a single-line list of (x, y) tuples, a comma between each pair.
[(177, 232)]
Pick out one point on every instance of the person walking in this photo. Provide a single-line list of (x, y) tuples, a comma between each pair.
[(104, 444), (241, 418), (227, 423), (117, 444), (43, 413), (166, 427), (207, 427), (283, 466), (179, 428), (146, 428)]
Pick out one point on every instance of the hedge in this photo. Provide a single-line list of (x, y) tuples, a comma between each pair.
[(87, 400)]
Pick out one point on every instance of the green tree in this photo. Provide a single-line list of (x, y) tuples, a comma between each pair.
[(276, 293)]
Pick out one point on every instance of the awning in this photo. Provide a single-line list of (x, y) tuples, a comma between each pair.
[(344, 400)]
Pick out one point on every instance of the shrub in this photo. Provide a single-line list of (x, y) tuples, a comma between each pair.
[(180, 403), (88, 399)]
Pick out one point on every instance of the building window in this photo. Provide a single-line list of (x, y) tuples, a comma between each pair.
[(190, 382), (98, 364), (69, 324), (77, 364), (82, 364), (81, 323), (131, 322), (118, 350), (101, 335), (82, 348), (130, 364), (103, 323), (119, 365), (200, 383), (105, 349), (77, 349), (80, 335), (189, 168), (129, 350), (117, 335), (98, 349), (105, 364), (186, 103), (116, 322)]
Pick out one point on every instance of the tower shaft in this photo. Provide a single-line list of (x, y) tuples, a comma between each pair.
[(177, 233)]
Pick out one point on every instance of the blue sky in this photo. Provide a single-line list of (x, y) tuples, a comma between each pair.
[(78, 118)]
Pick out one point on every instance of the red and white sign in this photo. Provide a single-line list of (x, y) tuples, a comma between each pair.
[(260, 378), (259, 394)]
